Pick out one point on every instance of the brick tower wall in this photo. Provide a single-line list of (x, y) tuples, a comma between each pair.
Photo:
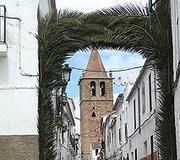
[(101, 105)]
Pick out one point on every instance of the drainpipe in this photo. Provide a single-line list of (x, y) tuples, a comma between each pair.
[(20, 67), (4, 16)]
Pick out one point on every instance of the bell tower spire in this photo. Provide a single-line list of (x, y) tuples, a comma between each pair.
[(95, 67), (96, 100)]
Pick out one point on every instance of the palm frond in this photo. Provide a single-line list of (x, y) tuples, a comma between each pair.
[(55, 43), (128, 9), (66, 13), (131, 30), (122, 28)]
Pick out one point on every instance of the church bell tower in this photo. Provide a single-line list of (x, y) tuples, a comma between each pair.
[(96, 100)]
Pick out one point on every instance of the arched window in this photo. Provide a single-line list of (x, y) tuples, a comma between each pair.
[(143, 98), (93, 88), (93, 114), (102, 88)]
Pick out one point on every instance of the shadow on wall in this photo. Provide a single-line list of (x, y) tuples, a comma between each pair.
[(4, 70)]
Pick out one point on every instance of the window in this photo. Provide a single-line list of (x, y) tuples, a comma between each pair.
[(134, 103), (126, 130), (120, 139), (93, 114), (58, 103), (109, 137), (143, 98), (132, 156), (62, 137), (96, 152), (127, 156), (179, 125), (152, 148), (150, 96), (112, 135), (109, 140), (102, 88), (135, 156), (120, 135), (93, 88), (178, 29), (145, 148)]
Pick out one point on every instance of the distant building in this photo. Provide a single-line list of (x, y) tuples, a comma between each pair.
[(114, 127), (121, 107), (141, 110), (109, 135), (175, 18), (67, 139), (78, 151), (129, 131), (94, 153), (96, 100)]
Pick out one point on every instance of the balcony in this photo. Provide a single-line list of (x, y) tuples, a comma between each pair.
[(58, 121), (73, 145)]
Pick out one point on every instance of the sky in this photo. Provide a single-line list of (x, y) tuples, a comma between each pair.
[(91, 5), (111, 59)]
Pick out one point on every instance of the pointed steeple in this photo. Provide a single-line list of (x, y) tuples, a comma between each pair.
[(95, 67)]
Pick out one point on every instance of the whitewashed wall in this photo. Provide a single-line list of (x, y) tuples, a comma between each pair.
[(63, 145), (175, 9), (110, 134), (136, 140), (18, 96), (92, 155), (177, 118), (122, 118)]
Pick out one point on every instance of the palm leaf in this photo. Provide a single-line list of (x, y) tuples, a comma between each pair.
[(55, 45), (122, 28), (129, 29)]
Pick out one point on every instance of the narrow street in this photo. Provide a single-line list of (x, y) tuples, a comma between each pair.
[(89, 80)]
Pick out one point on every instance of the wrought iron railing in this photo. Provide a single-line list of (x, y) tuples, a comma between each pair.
[(2, 24)]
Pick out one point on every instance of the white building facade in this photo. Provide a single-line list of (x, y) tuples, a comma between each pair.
[(18, 79), (175, 11), (94, 153), (67, 140), (115, 127), (140, 112), (129, 131), (121, 107), (109, 134)]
